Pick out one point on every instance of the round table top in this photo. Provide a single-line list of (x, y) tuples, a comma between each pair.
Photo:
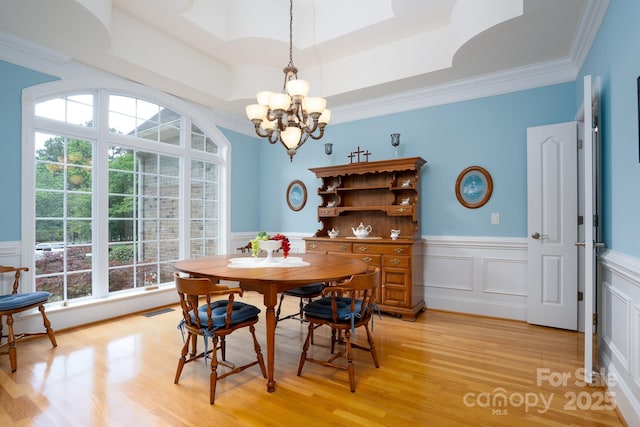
[(322, 268)]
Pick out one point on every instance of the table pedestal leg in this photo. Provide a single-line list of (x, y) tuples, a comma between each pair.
[(270, 303)]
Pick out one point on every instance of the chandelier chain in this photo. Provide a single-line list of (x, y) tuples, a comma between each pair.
[(290, 33)]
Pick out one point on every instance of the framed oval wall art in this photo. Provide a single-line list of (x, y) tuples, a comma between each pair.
[(474, 187), (296, 195)]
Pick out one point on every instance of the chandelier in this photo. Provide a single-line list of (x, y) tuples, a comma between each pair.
[(290, 117)]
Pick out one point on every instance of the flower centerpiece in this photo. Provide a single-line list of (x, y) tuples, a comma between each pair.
[(255, 246)]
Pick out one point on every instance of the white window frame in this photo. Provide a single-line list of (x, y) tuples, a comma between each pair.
[(103, 87)]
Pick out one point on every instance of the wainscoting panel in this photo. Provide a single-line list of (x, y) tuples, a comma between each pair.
[(616, 323), (450, 272), (501, 276), (619, 330), (486, 276)]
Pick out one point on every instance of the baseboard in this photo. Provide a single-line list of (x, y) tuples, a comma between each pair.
[(479, 307)]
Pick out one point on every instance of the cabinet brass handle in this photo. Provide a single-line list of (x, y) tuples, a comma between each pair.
[(362, 249), (395, 261), (399, 250), (367, 259), (343, 247), (313, 246), (402, 210)]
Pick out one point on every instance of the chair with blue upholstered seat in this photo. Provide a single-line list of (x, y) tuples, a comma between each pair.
[(17, 302), (214, 319), (344, 308), (305, 292)]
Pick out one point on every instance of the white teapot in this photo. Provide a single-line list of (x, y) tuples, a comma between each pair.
[(395, 234), (333, 233), (361, 231)]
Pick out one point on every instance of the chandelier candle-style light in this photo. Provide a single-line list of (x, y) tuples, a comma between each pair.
[(291, 116)]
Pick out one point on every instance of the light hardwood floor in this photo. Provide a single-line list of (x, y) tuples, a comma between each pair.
[(445, 369)]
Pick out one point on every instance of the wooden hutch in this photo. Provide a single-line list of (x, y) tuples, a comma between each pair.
[(385, 195)]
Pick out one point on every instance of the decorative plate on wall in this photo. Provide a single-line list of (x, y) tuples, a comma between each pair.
[(474, 187), (296, 195)]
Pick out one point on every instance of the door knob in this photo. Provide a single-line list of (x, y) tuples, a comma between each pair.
[(535, 235)]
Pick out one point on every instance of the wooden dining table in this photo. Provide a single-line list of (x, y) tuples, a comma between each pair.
[(270, 280)]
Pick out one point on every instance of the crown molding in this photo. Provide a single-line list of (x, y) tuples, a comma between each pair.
[(592, 16), (30, 55), (516, 79)]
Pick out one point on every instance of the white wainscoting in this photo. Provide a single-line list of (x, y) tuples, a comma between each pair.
[(485, 276), (619, 330)]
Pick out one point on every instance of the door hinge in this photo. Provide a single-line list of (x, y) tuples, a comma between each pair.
[(580, 219), (595, 319), (580, 296), (596, 220)]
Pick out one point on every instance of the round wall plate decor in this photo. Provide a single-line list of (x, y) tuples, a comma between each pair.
[(296, 195), (474, 187)]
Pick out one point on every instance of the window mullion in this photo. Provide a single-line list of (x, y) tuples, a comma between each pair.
[(101, 200), (185, 191)]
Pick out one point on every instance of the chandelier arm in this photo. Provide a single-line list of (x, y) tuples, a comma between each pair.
[(271, 138), (304, 139), (313, 127), (258, 130), (320, 134), (271, 116), (300, 113)]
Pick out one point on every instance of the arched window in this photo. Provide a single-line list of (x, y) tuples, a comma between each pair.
[(121, 184)]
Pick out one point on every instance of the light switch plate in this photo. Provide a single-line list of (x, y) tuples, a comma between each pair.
[(495, 218)]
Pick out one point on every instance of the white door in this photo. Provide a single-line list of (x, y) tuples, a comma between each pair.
[(552, 197)]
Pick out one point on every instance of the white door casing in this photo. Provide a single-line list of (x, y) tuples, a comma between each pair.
[(552, 197), (591, 185)]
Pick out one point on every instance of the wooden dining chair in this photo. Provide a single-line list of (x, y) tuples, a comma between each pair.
[(17, 302), (305, 292), (214, 319), (344, 307)]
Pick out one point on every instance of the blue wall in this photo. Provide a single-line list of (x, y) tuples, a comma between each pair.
[(488, 132), (615, 62), (13, 80), (245, 179)]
